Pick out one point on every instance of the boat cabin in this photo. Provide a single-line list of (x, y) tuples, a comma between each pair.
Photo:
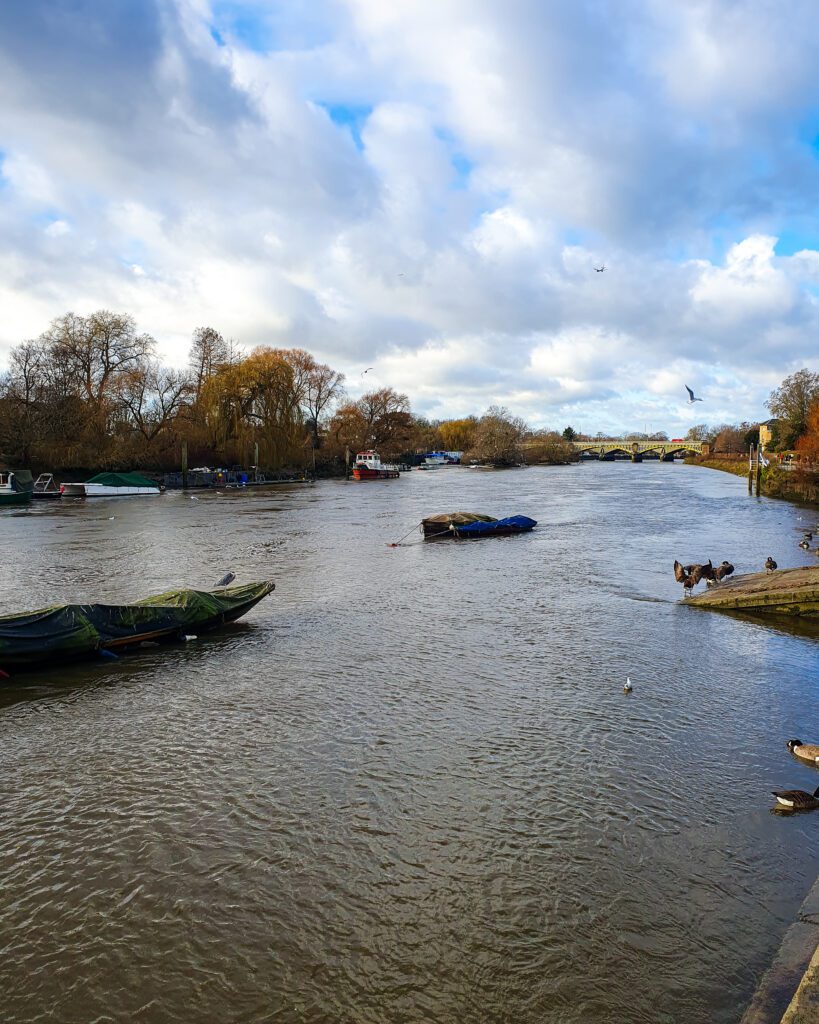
[(370, 459)]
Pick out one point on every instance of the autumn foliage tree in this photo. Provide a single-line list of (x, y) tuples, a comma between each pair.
[(791, 403), (498, 437), (380, 419)]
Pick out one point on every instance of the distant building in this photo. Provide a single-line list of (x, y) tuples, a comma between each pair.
[(766, 432)]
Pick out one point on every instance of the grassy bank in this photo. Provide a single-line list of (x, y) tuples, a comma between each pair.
[(791, 485)]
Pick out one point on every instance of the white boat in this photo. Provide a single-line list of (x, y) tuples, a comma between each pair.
[(442, 458), (111, 485)]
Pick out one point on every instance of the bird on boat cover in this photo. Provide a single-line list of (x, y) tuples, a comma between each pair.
[(807, 752), (770, 564), (691, 398), (797, 799)]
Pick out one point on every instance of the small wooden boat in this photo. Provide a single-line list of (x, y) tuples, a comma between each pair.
[(471, 525), (15, 487), (71, 632), (46, 489)]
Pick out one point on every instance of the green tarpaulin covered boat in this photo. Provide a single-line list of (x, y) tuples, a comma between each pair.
[(73, 631)]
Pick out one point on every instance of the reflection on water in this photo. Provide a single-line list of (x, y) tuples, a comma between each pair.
[(409, 786)]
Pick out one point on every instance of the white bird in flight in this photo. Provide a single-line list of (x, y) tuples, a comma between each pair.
[(691, 398)]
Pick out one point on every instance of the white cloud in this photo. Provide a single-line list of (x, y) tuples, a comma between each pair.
[(426, 187)]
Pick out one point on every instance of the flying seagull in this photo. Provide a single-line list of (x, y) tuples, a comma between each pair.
[(691, 398), (600, 269), (367, 370)]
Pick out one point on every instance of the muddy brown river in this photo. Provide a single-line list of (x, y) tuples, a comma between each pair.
[(408, 788)]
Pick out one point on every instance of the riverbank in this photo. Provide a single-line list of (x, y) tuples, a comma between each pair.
[(791, 485), (785, 592), (788, 992)]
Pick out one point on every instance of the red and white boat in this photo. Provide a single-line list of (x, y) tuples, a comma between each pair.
[(368, 466)]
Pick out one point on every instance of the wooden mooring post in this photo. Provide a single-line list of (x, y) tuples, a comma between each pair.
[(185, 465), (754, 470)]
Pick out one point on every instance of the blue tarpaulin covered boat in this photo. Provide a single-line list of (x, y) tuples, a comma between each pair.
[(470, 525)]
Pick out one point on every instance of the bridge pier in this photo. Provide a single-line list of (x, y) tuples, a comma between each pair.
[(636, 457)]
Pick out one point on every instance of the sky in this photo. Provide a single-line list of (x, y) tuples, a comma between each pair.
[(426, 187)]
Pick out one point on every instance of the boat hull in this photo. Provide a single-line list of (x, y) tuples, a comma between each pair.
[(74, 632), (365, 473), (14, 498), (104, 491)]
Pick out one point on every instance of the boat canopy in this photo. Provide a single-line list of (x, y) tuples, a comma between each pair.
[(122, 480), (22, 480)]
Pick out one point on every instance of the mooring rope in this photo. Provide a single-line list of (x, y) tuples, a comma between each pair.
[(398, 542)]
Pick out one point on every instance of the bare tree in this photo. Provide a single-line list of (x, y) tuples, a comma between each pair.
[(153, 396), (208, 352)]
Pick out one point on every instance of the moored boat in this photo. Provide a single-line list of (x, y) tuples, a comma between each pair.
[(368, 466), (470, 525), (45, 488), (111, 485), (76, 631), (15, 487)]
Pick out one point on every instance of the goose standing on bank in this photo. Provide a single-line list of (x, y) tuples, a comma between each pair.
[(770, 564), (688, 580), (723, 570), (797, 799), (807, 752)]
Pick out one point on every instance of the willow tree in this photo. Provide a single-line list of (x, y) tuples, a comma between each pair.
[(254, 401), (316, 386), (457, 435)]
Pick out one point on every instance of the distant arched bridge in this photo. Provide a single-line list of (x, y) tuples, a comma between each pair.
[(666, 451)]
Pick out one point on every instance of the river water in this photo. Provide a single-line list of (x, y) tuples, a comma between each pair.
[(409, 786)]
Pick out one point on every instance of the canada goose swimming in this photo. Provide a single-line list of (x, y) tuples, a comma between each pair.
[(770, 564), (807, 535), (807, 752), (804, 545), (627, 687), (797, 799)]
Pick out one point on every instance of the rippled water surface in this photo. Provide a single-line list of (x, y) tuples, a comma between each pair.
[(408, 787)]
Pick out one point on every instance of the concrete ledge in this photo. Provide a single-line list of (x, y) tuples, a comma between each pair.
[(785, 592), (786, 987), (804, 1007)]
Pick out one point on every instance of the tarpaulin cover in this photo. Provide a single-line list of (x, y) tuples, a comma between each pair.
[(122, 480), (74, 630), (22, 480), (445, 518), (513, 524)]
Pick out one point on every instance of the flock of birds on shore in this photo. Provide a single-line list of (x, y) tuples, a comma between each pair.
[(787, 800), (691, 575)]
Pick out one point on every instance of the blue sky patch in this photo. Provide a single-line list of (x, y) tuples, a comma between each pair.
[(350, 116)]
